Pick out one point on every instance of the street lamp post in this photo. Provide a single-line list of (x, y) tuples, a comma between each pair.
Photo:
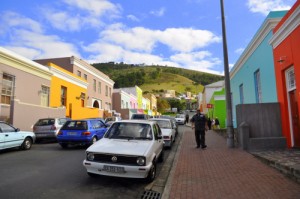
[(230, 134)]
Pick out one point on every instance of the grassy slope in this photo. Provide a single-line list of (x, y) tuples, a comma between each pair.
[(169, 81)]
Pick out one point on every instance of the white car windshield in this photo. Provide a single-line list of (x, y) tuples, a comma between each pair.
[(164, 124), (128, 131)]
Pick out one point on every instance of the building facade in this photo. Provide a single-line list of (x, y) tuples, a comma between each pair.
[(25, 89), (252, 78), (286, 48), (100, 86)]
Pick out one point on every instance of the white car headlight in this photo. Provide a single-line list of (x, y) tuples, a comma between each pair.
[(141, 161), (90, 156)]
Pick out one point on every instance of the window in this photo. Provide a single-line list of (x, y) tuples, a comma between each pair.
[(7, 88), (85, 76), (122, 104), (109, 92), (99, 87), (94, 85), (290, 78), (126, 104), (241, 94), (45, 96), (258, 94), (63, 96), (79, 73), (106, 90)]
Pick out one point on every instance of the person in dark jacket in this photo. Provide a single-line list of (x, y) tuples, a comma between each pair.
[(199, 123), (209, 123)]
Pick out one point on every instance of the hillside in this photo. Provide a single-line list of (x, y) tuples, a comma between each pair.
[(155, 78)]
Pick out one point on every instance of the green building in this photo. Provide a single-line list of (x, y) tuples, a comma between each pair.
[(218, 109)]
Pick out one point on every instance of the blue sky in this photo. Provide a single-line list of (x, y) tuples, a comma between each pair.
[(179, 33)]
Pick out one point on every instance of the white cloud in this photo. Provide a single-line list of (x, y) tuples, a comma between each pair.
[(46, 45), (143, 39), (10, 20), (96, 7), (239, 51), (79, 14), (62, 21), (187, 39), (132, 18), (158, 13), (265, 6)]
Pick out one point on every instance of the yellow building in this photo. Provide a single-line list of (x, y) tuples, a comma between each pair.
[(69, 91)]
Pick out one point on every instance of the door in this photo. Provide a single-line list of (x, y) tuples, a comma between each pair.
[(295, 117)]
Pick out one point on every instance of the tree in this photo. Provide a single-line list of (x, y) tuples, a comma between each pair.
[(162, 105), (176, 103)]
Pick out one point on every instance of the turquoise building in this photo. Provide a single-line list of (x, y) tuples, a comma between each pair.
[(252, 78)]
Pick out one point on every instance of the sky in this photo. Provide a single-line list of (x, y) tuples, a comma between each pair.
[(177, 33)]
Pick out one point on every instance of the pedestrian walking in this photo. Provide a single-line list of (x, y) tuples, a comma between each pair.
[(199, 123), (217, 123), (209, 122), (187, 117)]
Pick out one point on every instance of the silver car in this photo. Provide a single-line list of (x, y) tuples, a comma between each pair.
[(47, 128)]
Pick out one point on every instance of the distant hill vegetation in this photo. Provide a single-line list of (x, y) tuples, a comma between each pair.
[(155, 79)]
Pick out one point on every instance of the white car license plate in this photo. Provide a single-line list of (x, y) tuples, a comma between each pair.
[(72, 133), (113, 169)]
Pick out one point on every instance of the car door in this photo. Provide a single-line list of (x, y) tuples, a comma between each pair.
[(99, 128), (158, 143), (11, 138)]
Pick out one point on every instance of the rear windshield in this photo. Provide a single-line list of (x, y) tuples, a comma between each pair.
[(138, 117), (75, 125), (61, 121), (45, 122), (164, 124)]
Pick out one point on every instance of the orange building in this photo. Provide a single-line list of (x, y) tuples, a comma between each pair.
[(286, 49)]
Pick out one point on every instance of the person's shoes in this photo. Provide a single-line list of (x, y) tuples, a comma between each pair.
[(197, 146), (203, 147)]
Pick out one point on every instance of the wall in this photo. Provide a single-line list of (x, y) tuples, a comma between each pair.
[(26, 115)]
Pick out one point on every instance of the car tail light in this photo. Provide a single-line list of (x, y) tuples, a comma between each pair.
[(53, 127), (34, 128), (86, 133)]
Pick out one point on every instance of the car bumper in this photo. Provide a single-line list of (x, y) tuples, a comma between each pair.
[(180, 122), (50, 135), (127, 171), (167, 143), (74, 140)]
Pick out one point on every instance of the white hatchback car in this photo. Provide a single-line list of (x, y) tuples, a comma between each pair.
[(167, 129), (130, 148)]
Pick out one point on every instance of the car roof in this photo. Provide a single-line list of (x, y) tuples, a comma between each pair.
[(160, 119), (136, 121)]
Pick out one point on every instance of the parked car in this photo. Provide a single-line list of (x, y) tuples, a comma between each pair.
[(47, 128), (83, 132), (180, 118), (175, 125), (110, 120), (168, 130), (11, 137), (139, 116), (130, 148)]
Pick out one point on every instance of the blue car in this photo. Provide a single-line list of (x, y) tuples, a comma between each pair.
[(82, 132)]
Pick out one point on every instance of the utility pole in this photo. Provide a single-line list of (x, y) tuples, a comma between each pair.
[(230, 134)]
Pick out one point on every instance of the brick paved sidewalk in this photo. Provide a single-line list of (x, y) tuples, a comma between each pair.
[(219, 172)]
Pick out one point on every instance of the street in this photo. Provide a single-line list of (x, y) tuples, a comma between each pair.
[(48, 171)]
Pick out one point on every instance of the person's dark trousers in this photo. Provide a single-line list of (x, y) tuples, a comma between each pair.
[(200, 138)]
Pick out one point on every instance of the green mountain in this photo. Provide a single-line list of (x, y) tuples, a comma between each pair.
[(155, 79)]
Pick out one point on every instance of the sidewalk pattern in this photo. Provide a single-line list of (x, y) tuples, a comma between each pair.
[(219, 172)]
